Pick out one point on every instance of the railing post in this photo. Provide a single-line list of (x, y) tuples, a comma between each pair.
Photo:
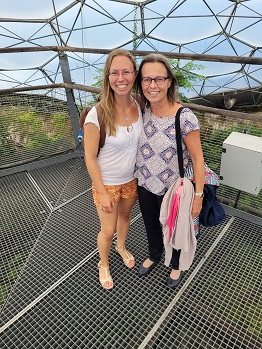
[(70, 95)]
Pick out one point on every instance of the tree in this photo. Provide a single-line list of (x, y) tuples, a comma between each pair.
[(186, 76)]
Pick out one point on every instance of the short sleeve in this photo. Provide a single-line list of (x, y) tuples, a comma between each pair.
[(188, 122), (92, 117)]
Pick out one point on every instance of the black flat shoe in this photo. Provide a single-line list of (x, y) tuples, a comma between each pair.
[(174, 283), (143, 271)]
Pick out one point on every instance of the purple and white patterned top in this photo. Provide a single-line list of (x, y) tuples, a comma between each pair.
[(156, 163)]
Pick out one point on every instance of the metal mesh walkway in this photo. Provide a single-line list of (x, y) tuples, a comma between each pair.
[(51, 297)]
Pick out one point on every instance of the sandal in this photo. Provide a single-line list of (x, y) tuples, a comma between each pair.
[(107, 279), (128, 259)]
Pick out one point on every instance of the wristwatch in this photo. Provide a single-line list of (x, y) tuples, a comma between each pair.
[(201, 195)]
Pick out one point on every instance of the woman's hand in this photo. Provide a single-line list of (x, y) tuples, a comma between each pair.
[(196, 206), (106, 203)]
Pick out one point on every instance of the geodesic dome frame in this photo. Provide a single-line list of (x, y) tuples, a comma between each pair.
[(50, 298), (187, 27)]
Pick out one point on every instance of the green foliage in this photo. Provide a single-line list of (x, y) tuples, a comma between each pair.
[(29, 123), (58, 122), (98, 83), (4, 290), (14, 266), (33, 126), (98, 78), (6, 147), (30, 128), (9, 275), (186, 76)]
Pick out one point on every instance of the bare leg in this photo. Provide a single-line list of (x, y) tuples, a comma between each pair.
[(104, 239), (123, 223)]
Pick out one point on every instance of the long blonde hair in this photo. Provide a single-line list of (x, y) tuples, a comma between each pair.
[(107, 101)]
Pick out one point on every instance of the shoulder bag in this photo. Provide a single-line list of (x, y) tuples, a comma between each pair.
[(212, 212)]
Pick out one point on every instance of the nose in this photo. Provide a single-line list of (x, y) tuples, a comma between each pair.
[(120, 76), (153, 82)]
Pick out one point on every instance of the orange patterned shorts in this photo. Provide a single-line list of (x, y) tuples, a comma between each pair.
[(125, 191)]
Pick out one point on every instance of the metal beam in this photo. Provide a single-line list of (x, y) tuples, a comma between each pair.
[(74, 116), (187, 56), (70, 86)]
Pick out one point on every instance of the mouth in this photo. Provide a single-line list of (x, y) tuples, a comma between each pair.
[(153, 93), (121, 87)]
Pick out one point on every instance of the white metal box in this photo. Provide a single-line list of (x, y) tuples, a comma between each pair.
[(241, 162)]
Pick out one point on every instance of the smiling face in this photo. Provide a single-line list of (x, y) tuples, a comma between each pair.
[(155, 94), (121, 75)]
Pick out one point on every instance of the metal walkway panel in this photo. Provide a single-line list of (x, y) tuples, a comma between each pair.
[(79, 313), (57, 301), (68, 236), (222, 308), (62, 182), (23, 214)]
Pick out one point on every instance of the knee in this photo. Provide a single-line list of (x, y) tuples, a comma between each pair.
[(124, 216), (107, 234)]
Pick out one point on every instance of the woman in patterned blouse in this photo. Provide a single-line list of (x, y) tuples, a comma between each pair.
[(157, 163)]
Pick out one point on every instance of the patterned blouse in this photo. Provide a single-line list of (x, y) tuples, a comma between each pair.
[(156, 163)]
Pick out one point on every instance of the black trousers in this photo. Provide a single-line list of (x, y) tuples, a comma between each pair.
[(150, 205)]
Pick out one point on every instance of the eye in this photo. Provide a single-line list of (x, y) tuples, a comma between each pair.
[(125, 73), (146, 80), (160, 79)]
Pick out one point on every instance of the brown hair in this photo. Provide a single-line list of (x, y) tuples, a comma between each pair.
[(107, 100), (172, 92)]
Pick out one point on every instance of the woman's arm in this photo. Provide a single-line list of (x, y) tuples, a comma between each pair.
[(193, 144), (91, 142)]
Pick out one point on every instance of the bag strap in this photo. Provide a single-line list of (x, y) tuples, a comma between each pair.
[(99, 111), (179, 143), (102, 127), (83, 115)]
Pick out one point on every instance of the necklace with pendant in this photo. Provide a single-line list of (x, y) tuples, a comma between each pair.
[(126, 117), (129, 128)]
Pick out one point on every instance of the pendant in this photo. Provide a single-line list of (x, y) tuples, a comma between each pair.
[(129, 128)]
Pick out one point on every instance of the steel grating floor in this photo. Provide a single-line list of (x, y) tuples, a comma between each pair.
[(54, 299)]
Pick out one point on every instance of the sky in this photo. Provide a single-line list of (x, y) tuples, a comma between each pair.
[(189, 26)]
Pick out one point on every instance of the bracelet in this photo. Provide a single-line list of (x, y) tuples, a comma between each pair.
[(201, 195)]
